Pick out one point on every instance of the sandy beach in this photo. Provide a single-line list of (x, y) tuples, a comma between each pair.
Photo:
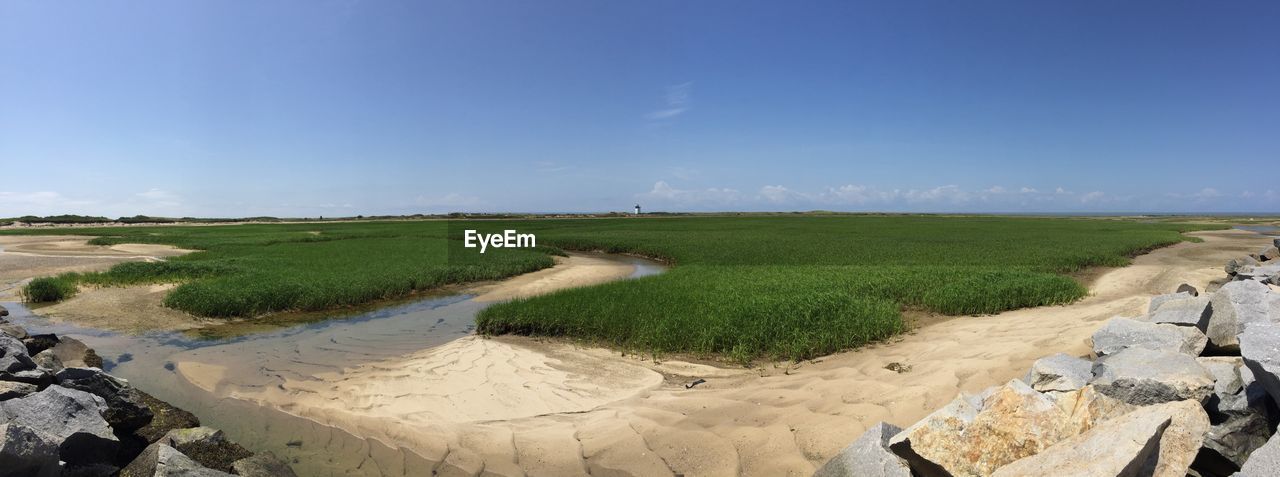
[(513, 406)]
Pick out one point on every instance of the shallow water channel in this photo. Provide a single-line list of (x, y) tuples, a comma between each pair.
[(148, 362)]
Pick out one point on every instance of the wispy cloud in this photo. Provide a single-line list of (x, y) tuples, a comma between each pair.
[(678, 100), (551, 166)]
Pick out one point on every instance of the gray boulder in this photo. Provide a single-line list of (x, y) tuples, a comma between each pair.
[(868, 456), (38, 343), (1238, 436), (74, 353), (1264, 462), (13, 390), (73, 418), (3, 311), (1228, 383), (1260, 348), (1234, 264), (1059, 372), (125, 410), (13, 355), (1124, 446), (266, 464), (160, 460), (1187, 288), (38, 377), (1269, 253), (1158, 300), (1122, 333), (13, 330), (1235, 306), (1190, 311), (1141, 377), (1266, 274), (25, 451), (47, 361)]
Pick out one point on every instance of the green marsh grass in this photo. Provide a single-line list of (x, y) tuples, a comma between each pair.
[(742, 288)]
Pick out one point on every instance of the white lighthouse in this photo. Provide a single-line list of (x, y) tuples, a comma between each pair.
[(637, 209)]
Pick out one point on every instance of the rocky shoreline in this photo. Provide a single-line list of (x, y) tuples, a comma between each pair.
[(1191, 388), (61, 415)]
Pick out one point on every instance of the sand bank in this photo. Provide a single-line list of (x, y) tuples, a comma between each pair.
[(507, 406), (23, 257), (576, 270)]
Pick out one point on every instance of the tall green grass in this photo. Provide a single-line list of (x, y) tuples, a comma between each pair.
[(49, 289)]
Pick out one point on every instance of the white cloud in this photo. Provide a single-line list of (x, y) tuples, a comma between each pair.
[(155, 200), (452, 199), (1207, 193), (1094, 196), (1028, 190), (14, 204), (677, 101), (666, 194), (776, 194)]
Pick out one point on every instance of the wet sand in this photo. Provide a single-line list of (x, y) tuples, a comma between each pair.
[(515, 406)]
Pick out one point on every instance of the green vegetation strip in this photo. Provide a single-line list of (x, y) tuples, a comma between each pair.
[(778, 287)]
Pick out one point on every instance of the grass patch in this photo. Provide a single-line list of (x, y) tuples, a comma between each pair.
[(49, 289)]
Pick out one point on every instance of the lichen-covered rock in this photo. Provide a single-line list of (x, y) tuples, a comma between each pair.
[(868, 456), (1234, 306), (1263, 462), (1142, 377), (207, 446), (1014, 422), (1158, 300), (125, 410), (1123, 333), (165, 418), (13, 390), (1059, 372), (1192, 311), (266, 464), (73, 418), (26, 451), (160, 460), (13, 355), (1118, 447)]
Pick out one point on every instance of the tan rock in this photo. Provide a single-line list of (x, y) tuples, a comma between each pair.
[(1014, 422), (1120, 447), (1188, 426)]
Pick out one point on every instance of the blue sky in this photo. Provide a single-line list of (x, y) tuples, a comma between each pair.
[(343, 108)]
